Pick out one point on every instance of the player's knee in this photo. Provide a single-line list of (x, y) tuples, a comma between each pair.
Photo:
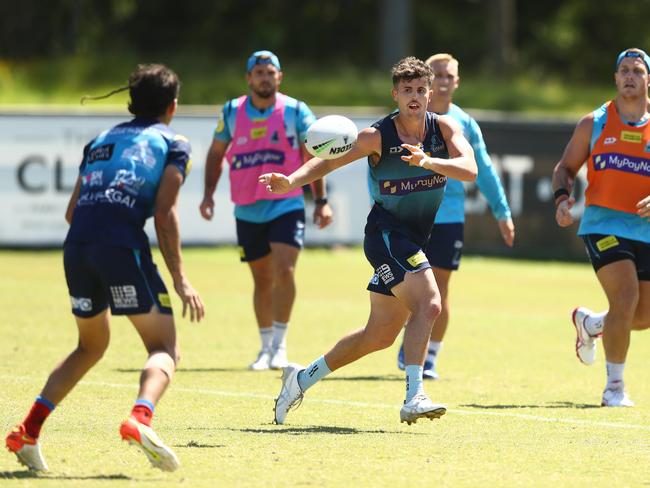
[(162, 360), (431, 309), (284, 275)]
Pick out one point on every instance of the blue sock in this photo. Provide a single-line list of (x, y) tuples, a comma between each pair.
[(143, 402), (46, 402), (313, 373), (413, 381)]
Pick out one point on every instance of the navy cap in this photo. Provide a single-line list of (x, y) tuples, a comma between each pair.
[(634, 53), (262, 57)]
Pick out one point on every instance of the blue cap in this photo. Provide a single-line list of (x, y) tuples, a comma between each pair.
[(262, 57), (634, 53)]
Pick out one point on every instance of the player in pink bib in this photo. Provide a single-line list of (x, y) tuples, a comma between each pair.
[(260, 133)]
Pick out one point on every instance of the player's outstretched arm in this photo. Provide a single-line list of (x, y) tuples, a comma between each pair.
[(213, 169), (368, 142), (167, 229), (565, 171), (461, 164)]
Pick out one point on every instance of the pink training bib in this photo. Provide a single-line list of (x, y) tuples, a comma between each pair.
[(258, 147)]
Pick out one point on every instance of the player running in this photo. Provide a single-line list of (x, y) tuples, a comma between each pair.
[(128, 173)]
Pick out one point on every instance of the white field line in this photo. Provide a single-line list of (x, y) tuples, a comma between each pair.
[(261, 396)]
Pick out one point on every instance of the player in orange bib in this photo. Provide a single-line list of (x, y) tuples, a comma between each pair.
[(614, 141)]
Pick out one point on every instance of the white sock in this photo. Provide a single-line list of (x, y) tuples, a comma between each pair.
[(614, 375), (266, 336), (594, 323), (433, 352), (279, 335)]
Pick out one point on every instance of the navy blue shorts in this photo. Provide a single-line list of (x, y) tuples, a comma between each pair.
[(254, 239), (606, 249), (445, 245), (126, 279), (392, 255)]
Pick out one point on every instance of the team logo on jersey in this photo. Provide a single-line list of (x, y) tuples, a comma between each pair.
[(275, 137), (375, 279), (124, 296), (82, 304), (629, 136), (127, 181), (140, 153), (94, 178), (436, 144), (100, 153), (607, 243), (417, 259), (385, 273), (241, 141), (395, 150), (610, 140), (258, 132)]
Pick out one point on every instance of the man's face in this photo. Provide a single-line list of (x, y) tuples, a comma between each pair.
[(631, 78), (412, 96), (445, 78), (264, 80)]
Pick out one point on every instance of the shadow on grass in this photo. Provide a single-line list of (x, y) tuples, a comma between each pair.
[(26, 474), (320, 429), (188, 370), (194, 444), (384, 377), (546, 405)]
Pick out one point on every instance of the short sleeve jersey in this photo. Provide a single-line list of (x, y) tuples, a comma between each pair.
[(120, 174)]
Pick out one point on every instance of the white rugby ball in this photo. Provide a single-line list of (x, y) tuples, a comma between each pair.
[(331, 136)]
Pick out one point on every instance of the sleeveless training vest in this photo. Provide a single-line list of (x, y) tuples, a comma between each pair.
[(258, 147)]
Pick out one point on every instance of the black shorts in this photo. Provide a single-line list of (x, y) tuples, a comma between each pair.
[(606, 249), (254, 239), (124, 278), (445, 245), (392, 255)]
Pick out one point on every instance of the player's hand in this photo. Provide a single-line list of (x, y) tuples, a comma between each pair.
[(507, 229), (275, 183), (417, 156), (207, 208), (563, 215), (323, 215), (191, 299), (643, 208)]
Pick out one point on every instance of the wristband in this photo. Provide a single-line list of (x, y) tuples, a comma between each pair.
[(320, 201), (559, 193)]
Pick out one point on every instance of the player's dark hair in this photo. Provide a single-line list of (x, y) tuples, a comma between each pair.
[(411, 68), (153, 87)]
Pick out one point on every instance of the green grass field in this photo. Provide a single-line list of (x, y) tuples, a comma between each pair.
[(522, 410)]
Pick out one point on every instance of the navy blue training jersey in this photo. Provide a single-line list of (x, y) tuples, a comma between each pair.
[(120, 175)]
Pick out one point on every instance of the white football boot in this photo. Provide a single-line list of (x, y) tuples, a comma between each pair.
[(26, 448), (160, 456), (290, 394), (262, 362), (616, 397), (279, 358), (585, 343), (421, 406)]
